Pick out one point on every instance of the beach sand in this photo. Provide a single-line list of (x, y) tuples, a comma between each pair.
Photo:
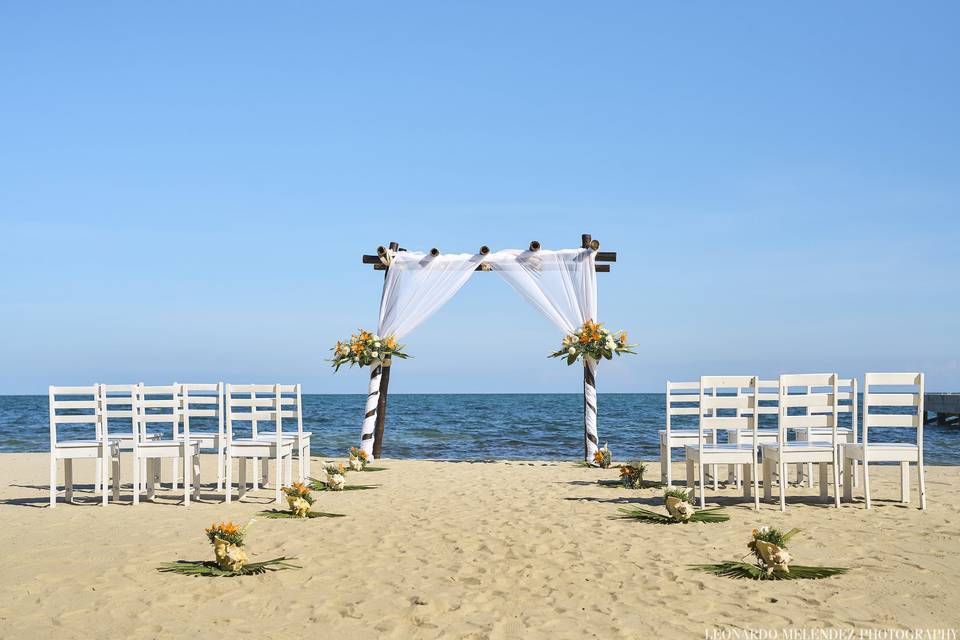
[(467, 550)]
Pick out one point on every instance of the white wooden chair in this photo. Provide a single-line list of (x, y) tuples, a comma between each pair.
[(847, 400), (682, 399), (720, 395), (767, 393), (80, 406), (291, 413), (256, 403), (161, 405), (204, 401), (902, 409), (117, 407), (814, 407)]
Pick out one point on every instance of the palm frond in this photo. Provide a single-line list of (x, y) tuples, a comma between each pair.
[(745, 570), (712, 515), (375, 469), (276, 513), (210, 569)]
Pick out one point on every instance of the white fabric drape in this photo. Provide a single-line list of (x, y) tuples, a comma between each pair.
[(563, 286), (418, 284)]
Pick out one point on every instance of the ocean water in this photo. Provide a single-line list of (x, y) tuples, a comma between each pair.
[(465, 426)]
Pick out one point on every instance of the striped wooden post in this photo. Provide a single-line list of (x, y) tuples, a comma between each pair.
[(590, 441), (370, 411)]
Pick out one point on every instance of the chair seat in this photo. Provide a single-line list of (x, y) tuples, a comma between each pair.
[(127, 435), (67, 444), (799, 451), (266, 437), (883, 451), (168, 447), (254, 447), (762, 434), (732, 452)]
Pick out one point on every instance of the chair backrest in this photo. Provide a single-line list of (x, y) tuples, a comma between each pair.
[(682, 399), (202, 401), (727, 402), (900, 398), (118, 403), (158, 404), (808, 400), (291, 407), (75, 406), (254, 403)]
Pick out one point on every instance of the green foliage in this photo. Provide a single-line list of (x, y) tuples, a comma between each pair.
[(679, 494), (276, 513), (210, 569), (712, 515), (745, 570)]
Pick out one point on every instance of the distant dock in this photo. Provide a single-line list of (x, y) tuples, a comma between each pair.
[(944, 407)]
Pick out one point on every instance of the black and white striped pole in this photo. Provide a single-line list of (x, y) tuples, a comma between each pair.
[(590, 441)]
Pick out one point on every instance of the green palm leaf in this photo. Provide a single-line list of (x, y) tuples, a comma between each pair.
[(211, 570), (744, 570)]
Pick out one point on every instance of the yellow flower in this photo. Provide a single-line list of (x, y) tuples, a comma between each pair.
[(623, 338), (598, 457)]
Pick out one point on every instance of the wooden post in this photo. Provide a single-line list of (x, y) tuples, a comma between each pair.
[(382, 398), (590, 440)]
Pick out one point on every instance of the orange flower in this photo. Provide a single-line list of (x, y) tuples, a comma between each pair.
[(391, 343), (598, 457), (623, 338)]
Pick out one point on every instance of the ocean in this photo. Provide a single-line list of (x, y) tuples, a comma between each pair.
[(466, 426)]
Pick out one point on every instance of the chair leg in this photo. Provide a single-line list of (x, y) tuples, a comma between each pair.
[(767, 478), (810, 475), (921, 484), (53, 481), (278, 476), (185, 454), (703, 484), (228, 478), (103, 463), (783, 486), (265, 472), (848, 479), (242, 478), (256, 477), (98, 480), (905, 482), (288, 478), (306, 460), (866, 483), (691, 480), (116, 478), (68, 478), (836, 481), (824, 482), (754, 472), (219, 467), (136, 480), (746, 475), (196, 476), (713, 472), (664, 465), (152, 464)]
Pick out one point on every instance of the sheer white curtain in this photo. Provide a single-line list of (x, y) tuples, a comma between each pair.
[(563, 286), (416, 285)]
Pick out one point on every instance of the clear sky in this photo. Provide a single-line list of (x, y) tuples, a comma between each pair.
[(186, 188)]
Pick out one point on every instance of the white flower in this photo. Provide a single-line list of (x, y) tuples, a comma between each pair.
[(376, 344), (376, 338), (356, 464), (336, 482), (571, 351), (374, 354), (611, 344)]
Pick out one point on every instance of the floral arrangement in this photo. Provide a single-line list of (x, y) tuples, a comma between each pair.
[(230, 556), (332, 478), (299, 499), (771, 560), (631, 475), (603, 457), (358, 459), (594, 341), (366, 349), (680, 510)]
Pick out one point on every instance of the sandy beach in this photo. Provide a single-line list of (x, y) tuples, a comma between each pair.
[(467, 550)]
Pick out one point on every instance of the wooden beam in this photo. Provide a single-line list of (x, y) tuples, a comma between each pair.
[(602, 256), (601, 268)]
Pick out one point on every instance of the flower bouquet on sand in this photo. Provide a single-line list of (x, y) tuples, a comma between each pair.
[(333, 478), (680, 510), (631, 475), (771, 560), (593, 341), (602, 458), (301, 502), (366, 349), (358, 460), (230, 556)]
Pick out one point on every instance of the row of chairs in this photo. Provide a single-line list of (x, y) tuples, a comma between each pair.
[(808, 406), (153, 423)]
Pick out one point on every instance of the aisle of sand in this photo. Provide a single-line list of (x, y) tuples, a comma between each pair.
[(466, 550)]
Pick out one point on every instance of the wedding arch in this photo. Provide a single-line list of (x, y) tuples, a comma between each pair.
[(561, 284)]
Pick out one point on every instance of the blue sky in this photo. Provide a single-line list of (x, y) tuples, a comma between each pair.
[(186, 188)]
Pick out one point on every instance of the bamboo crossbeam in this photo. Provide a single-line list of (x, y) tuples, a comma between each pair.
[(602, 256), (601, 268)]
